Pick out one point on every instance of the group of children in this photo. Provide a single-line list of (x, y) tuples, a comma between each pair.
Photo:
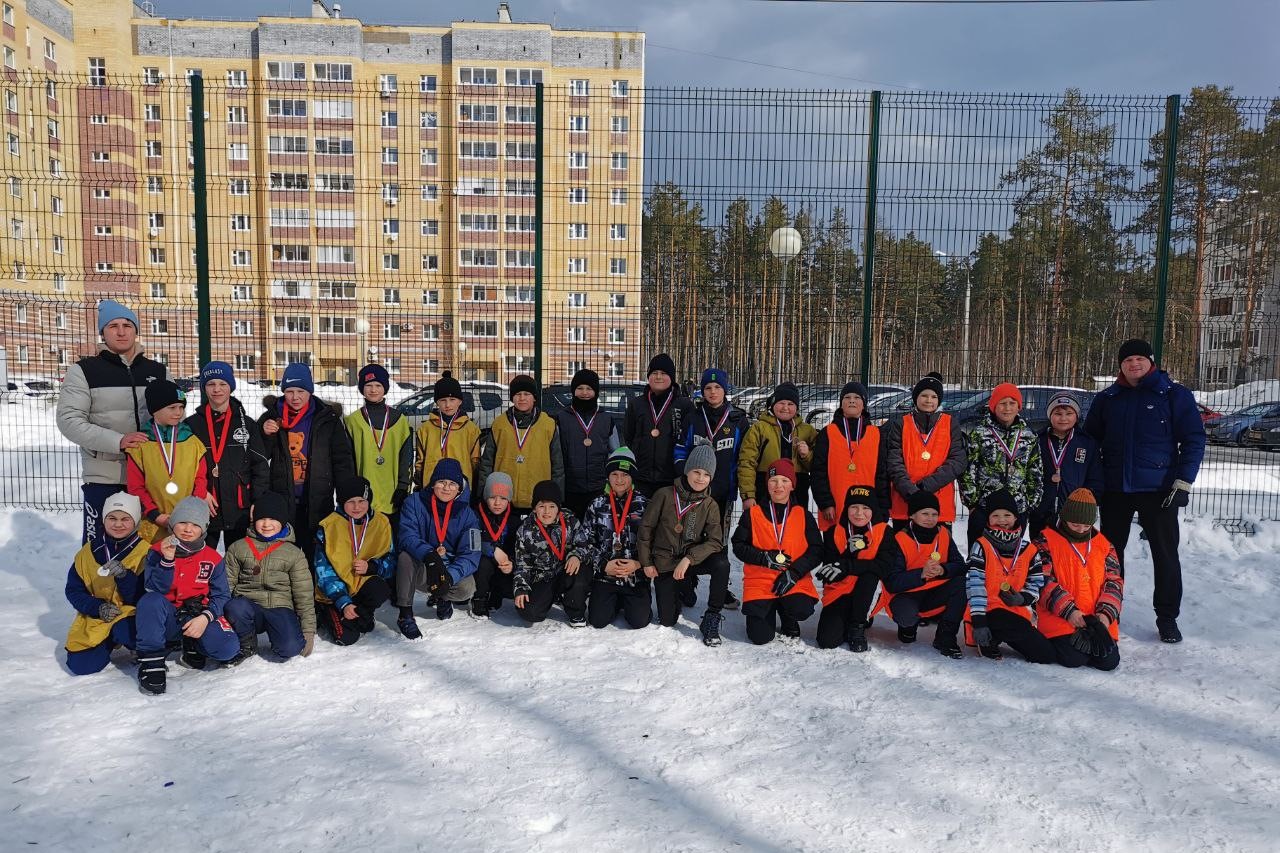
[(324, 519)]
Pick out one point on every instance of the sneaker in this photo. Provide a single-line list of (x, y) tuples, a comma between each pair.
[(248, 649), (151, 673), (731, 601), (710, 628), (444, 610), (192, 657), (479, 609), (1168, 629), (858, 637), (408, 627), (578, 621), (906, 635)]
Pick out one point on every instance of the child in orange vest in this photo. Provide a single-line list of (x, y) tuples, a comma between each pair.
[(779, 544), (847, 453), (929, 579), (859, 550), (923, 451), (1079, 610), (1003, 584), (170, 465)]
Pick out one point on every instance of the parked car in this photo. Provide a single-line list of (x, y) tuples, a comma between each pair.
[(967, 406), (482, 401), (821, 408), (39, 388), (1207, 414), (1230, 429), (1264, 434), (613, 396)]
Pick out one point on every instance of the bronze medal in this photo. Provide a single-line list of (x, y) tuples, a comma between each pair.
[(441, 551), (679, 528), (852, 467), (655, 432), (214, 472), (586, 442), (1057, 478), (926, 455)]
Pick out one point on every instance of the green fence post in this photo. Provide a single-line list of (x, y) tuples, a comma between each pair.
[(869, 234), (1172, 113), (538, 151), (204, 324)]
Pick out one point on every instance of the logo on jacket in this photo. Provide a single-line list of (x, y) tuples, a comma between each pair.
[(724, 444), (205, 572), (1080, 455), (241, 435)]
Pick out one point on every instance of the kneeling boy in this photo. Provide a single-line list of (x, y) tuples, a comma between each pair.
[(608, 538), (929, 582), (355, 559), (546, 564)]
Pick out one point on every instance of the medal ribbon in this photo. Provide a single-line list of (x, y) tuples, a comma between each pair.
[(564, 535), (1084, 558), (284, 415), (711, 433), (442, 529), (586, 425), (853, 442), (521, 438), (170, 455), (620, 521), (273, 546), (356, 545), (1007, 569), (784, 438), (496, 536), (1011, 453), (681, 512), (924, 439), (657, 416), (217, 444), (779, 531), (446, 428), (378, 438), (133, 540), (1058, 457)]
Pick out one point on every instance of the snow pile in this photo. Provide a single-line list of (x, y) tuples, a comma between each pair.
[(491, 736), (1234, 399)]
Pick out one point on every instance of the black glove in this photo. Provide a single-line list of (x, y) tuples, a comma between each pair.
[(190, 609), (398, 498), (113, 568), (108, 611), (1082, 641), (981, 633), (785, 581), (1013, 598), (438, 580), (1102, 642), (1178, 496), (830, 573)]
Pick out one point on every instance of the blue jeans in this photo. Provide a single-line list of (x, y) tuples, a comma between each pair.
[(158, 624), (284, 631)]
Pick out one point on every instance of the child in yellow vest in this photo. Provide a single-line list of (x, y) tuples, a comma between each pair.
[(104, 585), (525, 445), (355, 558), (447, 433), (383, 442), (171, 465)]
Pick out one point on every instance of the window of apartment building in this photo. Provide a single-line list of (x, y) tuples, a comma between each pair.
[(102, 230), (388, 83), (391, 227), (390, 155), (333, 109), (237, 78), (577, 266), (520, 223), (620, 89), (391, 261), (51, 91), (428, 120), (620, 124), (430, 263), (15, 186), (479, 328), (151, 76), (286, 108), (155, 255), (478, 76), (242, 328), (158, 290), (617, 266), (478, 222), (55, 167), (239, 222), (431, 365), (154, 148), (617, 336), (577, 300), (332, 146), (246, 363), (391, 331), (59, 244), (235, 186), (151, 112), (519, 258), (13, 146), (577, 230), (55, 205), (97, 71), (430, 227), (100, 193), (577, 159), (238, 151), (619, 160), (10, 101), (576, 335), (237, 114), (8, 14), (391, 193), (241, 257), (618, 231), (286, 357), (100, 156), (155, 219), (429, 157), (617, 369), (518, 363), (335, 254), (617, 300), (16, 228), (97, 118), (618, 195), (276, 181), (389, 118), (289, 217), (519, 293), (577, 195), (390, 296), (579, 124), (427, 83), (478, 112), (579, 88), (20, 269), (523, 76), (468, 150), (10, 58), (519, 329), (159, 326), (478, 257), (332, 72), (292, 323), (335, 182), (241, 292), (1220, 307), (286, 70), (337, 290), (53, 128), (431, 331), (290, 253), (521, 150), (59, 283), (477, 293), (518, 187), (430, 297)]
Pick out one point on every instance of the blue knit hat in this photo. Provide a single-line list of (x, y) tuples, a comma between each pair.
[(109, 309), (373, 373), (716, 375), (447, 469), (297, 375), (217, 370)]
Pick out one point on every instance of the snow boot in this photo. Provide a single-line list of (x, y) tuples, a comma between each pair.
[(407, 625), (906, 635), (731, 601), (479, 608), (248, 649), (857, 637), (991, 652), (944, 640), (151, 672), (444, 609), (710, 628), (788, 629), (192, 657), (1168, 629)]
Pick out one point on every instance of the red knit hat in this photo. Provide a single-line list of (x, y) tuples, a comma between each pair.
[(783, 468), (1002, 391)]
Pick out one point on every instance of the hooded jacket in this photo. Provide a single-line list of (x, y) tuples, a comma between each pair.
[(762, 446), (727, 444), (595, 536), (281, 577), (1081, 469), (101, 399), (462, 540), (989, 469), (583, 463)]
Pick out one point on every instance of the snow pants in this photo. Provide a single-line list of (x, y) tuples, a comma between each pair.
[(906, 607), (1008, 627), (95, 659), (281, 625), (763, 614), (634, 600), (346, 632), (846, 611), (573, 589), (491, 585), (157, 621), (669, 592), (1069, 656)]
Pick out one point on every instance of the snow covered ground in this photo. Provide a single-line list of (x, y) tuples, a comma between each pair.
[(491, 736)]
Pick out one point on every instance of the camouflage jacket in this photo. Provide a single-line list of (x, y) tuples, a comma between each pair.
[(990, 468)]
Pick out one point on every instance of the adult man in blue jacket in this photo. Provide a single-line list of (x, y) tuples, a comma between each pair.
[(1152, 441)]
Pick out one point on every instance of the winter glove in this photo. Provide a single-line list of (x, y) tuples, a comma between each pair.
[(785, 581), (398, 498), (830, 573), (309, 646), (1012, 598), (982, 633), (1179, 495), (1102, 642), (107, 611), (114, 568), (438, 580), (1082, 641)]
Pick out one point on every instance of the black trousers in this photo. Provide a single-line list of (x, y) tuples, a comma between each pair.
[(667, 590), (906, 607), (1161, 527), (762, 615), (1070, 657), (345, 632), (573, 588), (634, 600), (843, 613), (492, 586), (1008, 627)]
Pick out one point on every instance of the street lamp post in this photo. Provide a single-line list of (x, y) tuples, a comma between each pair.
[(362, 329), (784, 244), (462, 360), (968, 293)]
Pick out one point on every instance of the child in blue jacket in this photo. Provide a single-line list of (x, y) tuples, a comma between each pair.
[(1071, 461)]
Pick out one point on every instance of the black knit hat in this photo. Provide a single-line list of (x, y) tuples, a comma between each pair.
[(1136, 346), (446, 386), (927, 383), (586, 377), (373, 373), (272, 505), (524, 382), (861, 495), (854, 387), (547, 490), (786, 391), (922, 500), (161, 393), (355, 487), (664, 363), (999, 499)]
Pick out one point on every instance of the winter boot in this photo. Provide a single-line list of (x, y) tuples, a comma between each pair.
[(192, 657), (578, 620), (1168, 629), (248, 648), (857, 637), (444, 609), (151, 672), (731, 601), (479, 608), (788, 628), (407, 625), (944, 640), (991, 652), (906, 634), (710, 628)]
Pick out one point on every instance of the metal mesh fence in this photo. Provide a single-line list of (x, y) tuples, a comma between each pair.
[(491, 229)]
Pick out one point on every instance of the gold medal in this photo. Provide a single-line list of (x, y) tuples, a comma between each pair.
[(586, 442), (654, 432), (858, 543), (935, 556), (780, 558), (852, 467), (1005, 587), (171, 487), (926, 455)]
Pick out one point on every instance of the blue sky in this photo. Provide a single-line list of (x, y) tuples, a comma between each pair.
[(1158, 47)]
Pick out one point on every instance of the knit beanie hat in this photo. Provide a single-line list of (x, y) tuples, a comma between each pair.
[(586, 377), (1080, 508), (447, 469), (1064, 401), (786, 391), (927, 383), (854, 387), (272, 505), (161, 393), (922, 500), (780, 468), (861, 495), (109, 310), (373, 373), (664, 363), (354, 487), (217, 370), (523, 382), (297, 375), (701, 458), (123, 502), (446, 386), (499, 485), (1136, 346), (622, 460), (548, 491), (999, 499), (1003, 391), (716, 375), (190, 510)]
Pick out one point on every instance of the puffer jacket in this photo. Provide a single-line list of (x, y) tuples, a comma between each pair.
[(534, 560), (762, 446), (701, 536), (332, 459), (102, 398), (281, 578), (583, 464), (595, 536), (1149, 436), (417, 534), (990, 468)]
